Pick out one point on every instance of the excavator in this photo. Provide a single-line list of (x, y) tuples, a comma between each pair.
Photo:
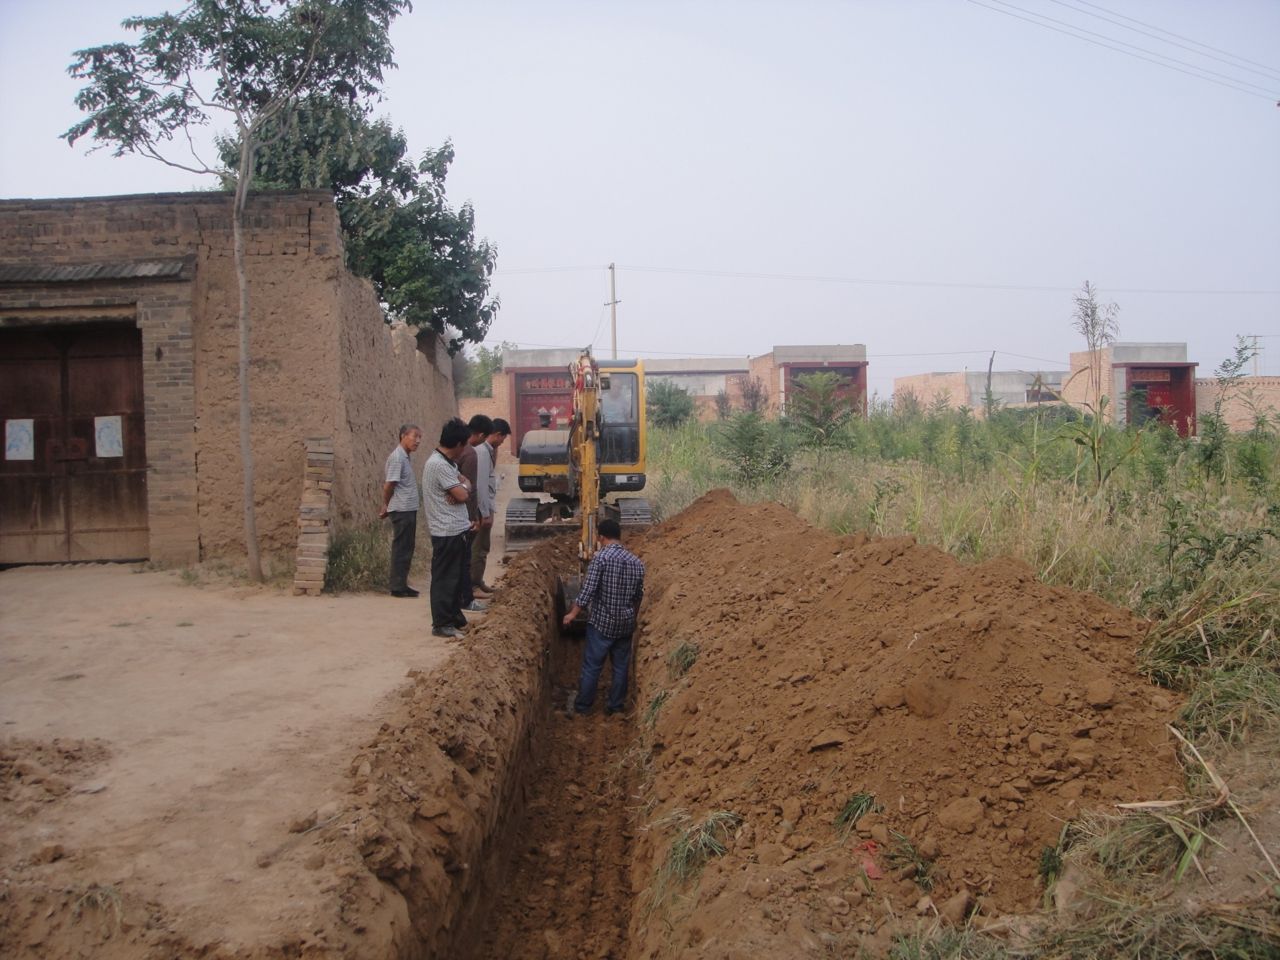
[(583, 467)]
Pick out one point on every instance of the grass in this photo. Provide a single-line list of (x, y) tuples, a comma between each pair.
[(359, 560), (655, 706), (681, 659), (902, 854), (694, 843), (103, 898), (854, 809)]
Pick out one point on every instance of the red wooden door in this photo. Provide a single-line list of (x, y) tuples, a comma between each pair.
[(73, 482)]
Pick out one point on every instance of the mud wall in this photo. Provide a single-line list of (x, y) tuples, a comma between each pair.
[(388, 377), (324, 362)]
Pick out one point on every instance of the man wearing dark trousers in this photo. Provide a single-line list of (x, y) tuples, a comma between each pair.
[(400, 503), (468, 463), (611, 592), (444, 497)]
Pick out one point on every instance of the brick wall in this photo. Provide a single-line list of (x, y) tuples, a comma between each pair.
[(1246, 401), (324, 363), (931, 388)]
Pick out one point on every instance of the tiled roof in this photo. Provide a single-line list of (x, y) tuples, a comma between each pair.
[(82, 272)]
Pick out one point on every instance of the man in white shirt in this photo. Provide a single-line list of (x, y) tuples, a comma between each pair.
[(400, 503), (444, 496)]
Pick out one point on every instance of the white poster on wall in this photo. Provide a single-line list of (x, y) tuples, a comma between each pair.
[(19, 440), (109, 435)]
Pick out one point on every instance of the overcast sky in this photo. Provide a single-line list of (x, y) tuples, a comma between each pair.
[(932, 179)]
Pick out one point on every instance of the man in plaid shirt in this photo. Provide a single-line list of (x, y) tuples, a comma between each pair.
[(611, 592)]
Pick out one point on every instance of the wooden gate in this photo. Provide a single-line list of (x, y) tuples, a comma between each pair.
[(73, 481)]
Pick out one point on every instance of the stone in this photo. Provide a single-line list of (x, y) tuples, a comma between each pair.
[(889, 697), (758, 888), (956, 909), (962, 814), (828, 738), (1100, 694)]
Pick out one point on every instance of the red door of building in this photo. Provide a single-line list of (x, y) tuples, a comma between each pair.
[(73, 480), (1160, 399)]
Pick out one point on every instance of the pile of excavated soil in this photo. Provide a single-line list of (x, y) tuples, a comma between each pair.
[(981, 708)]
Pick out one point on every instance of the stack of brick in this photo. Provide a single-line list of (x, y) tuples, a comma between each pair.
[(314, 518)]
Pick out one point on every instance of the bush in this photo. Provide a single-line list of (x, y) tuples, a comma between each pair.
[(667, 404)]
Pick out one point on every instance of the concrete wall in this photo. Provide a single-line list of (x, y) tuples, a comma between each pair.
[(1246, 401), (324, 363)]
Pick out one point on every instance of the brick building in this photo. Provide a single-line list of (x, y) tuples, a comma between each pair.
[(119, 379), (779, 368), (968, 388), (1140, 381)]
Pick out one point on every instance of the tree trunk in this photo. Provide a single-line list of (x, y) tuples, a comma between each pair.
[(242, 280)]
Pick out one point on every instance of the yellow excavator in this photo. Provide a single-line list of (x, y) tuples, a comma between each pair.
[(583, 468)]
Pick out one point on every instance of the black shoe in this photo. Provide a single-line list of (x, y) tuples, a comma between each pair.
[(406, 592), (452, 633), (461, 623), (610, 711)]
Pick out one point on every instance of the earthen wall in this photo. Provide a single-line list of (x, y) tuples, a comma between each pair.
[(323, 362)]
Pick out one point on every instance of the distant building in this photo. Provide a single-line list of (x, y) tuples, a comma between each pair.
[(1140, 381), (1009, 388), (703, 378), (779, 369)]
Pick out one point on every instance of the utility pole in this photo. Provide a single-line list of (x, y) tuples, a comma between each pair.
[(613, 309)]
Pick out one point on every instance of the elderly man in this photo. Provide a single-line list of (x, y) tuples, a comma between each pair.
[(611, 592), (486, 494), (444, 494), (400, 503)]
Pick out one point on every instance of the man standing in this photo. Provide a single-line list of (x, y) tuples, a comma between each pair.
[(611, 592), (400, 503), (480, 427), (487, 495), (444, 495)]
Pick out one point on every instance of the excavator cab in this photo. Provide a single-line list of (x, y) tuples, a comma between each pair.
[(592, 460)]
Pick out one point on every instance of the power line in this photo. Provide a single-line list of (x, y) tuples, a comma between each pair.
[(869, 281), (1201, 73), (1170, 33), (943, 284)]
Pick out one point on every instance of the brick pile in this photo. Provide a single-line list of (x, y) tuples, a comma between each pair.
[(314, 518)]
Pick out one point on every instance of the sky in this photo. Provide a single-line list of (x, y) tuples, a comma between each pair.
[(931, 178)]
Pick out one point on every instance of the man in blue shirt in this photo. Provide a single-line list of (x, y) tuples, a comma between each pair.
[(611, 593)]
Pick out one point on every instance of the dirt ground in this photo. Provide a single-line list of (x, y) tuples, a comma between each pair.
[(168, 735)]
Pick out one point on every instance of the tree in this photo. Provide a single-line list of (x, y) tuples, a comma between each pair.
[(420, 253), (667, 404), (755, 395), (247, 62), (723, 406), (818, 408), (477, 379)]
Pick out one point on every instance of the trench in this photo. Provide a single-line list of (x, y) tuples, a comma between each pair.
[(557, 871)]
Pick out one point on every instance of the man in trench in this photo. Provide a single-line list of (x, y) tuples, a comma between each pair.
[(611, 593)]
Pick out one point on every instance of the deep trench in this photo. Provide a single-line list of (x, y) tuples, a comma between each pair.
[(558, 871)]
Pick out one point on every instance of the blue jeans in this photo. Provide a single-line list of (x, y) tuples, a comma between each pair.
[(618, 652)]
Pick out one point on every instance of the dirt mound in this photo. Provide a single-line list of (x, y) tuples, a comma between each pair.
[(979, 707)]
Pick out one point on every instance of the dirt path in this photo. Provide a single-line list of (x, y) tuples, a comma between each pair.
[(160, 738), (567, 888)]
